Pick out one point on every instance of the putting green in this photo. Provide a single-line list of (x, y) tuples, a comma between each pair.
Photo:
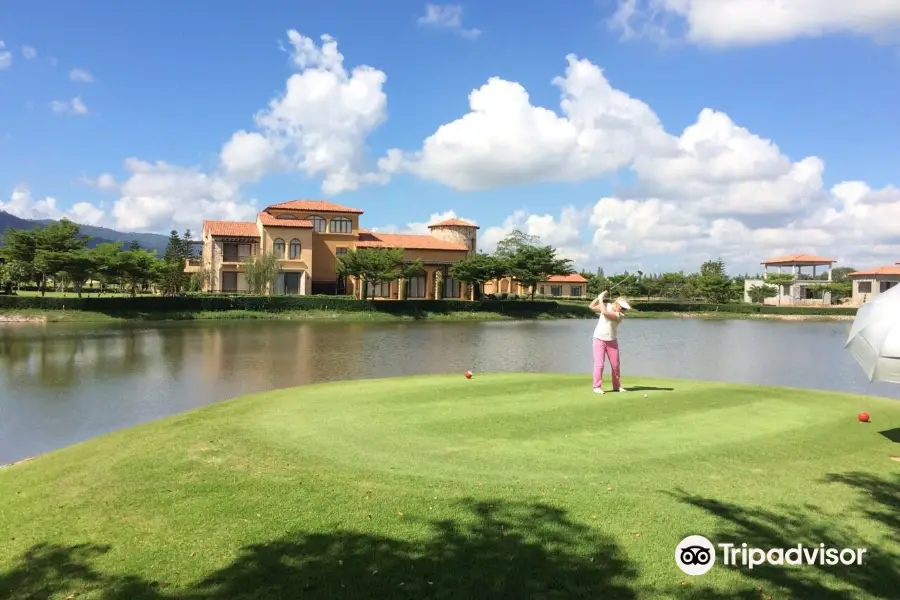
[(503, 486)]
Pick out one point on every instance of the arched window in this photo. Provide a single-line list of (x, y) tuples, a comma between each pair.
[(286, 216), (295, 248), (279, 248), (318, 223), (341, 225)]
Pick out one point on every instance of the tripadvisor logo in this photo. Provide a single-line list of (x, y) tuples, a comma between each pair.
[(696, 555)]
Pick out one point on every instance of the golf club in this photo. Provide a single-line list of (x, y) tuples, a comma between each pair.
[(638, 275)]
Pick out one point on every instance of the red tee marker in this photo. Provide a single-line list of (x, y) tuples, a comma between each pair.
[(863, 417)]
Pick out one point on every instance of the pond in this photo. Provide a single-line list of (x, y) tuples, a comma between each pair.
[(61, 384)]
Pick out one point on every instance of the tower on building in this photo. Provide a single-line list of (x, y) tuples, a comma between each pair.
[(457, 230)]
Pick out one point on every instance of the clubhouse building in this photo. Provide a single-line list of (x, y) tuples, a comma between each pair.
[(308, 237)]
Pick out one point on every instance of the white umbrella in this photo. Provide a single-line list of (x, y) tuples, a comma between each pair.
[(874, 339)]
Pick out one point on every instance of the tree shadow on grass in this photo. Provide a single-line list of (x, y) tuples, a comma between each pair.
[(496, 550), (877, 577), (879, 500), (892, 434), (648, 388)]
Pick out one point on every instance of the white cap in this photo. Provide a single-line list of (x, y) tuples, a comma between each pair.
[(623, 303)]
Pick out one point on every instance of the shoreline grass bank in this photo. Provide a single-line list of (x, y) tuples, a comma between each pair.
[(508, 485), (75, 316), (337, 308)]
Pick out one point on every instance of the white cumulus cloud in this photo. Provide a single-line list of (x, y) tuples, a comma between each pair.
[(722, 23), (23, 204), (319, 124), (75, 106), (5, 57), (447, 16), (81, 76)]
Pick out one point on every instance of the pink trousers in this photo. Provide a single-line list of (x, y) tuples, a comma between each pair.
[(603, 349)]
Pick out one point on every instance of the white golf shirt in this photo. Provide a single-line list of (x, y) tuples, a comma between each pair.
[(606, 328)]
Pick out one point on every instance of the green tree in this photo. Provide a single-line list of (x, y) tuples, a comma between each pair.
[(596, 282), (13, 273), (372, 266), (514, 242), (172, 278), (840, 274), (261, 271), (50, 244), (713, 284), (713, 268), (78, 265), (672, 285), (108, 264), (624, 284), (533, 264), (477, 269), (140, 268), (781, 281), (20, 247), (840, 290), (759, 293)]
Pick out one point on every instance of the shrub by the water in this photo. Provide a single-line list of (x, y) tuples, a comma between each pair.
[(225, 302), (222, 302)]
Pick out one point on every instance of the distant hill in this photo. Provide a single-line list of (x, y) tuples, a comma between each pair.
[(99, 235)]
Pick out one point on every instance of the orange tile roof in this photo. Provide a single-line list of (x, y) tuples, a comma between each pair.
[(370, 239), (798, 258), (271, 221), (572, 278), (315, 206), (454, 223), (231, 229), (892, 270)]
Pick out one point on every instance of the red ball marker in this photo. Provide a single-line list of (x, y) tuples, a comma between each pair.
[(863, 417), (468, 374)]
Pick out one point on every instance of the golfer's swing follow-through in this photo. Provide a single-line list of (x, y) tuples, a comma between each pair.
[(605, 339)]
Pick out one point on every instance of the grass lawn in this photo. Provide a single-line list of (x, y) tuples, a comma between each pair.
[(506, 486), (66, 316)]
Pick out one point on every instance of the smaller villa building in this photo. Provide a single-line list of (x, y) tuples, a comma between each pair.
[(559, 286), (868, 283), (799, 288)]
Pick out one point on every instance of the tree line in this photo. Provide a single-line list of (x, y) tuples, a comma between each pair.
[(518, 255), (57, 255), (712, 284)]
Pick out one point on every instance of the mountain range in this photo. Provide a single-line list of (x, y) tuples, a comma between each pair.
[(99, 235)]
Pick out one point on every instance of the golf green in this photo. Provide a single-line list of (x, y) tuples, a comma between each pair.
[(505, 486)]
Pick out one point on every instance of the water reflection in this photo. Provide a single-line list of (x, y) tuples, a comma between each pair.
[(62, 384)]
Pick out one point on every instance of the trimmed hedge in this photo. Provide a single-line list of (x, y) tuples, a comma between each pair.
[(743, 308), (220, 302), (215, 303)]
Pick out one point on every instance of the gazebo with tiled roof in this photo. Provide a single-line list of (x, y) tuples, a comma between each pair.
[(797, 261)]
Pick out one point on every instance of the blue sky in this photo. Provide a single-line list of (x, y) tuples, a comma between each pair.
[(173, 84)]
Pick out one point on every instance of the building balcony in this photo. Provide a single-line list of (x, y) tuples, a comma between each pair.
[(192, 265)]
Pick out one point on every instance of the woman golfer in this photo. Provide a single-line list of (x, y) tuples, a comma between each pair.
[(606, 342)]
